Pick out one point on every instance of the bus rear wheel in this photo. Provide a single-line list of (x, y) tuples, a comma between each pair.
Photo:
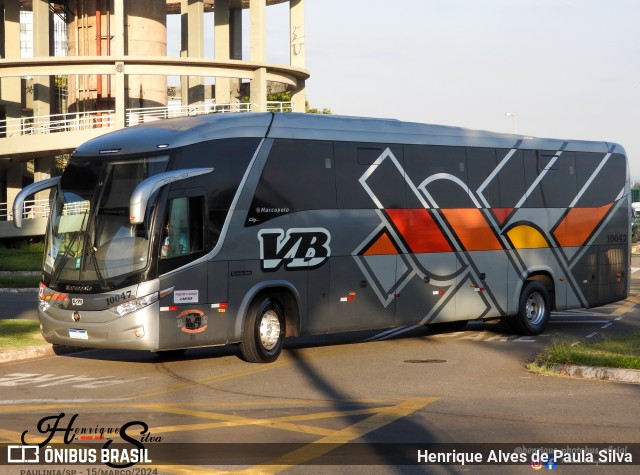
[(534, 310), (264, 330)]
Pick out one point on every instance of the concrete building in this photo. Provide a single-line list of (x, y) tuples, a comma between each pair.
[(71, 70)]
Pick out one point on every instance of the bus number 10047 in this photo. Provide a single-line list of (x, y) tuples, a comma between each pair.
[(616, 238), (112, 299)]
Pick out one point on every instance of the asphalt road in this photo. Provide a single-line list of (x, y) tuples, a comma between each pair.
[(19, 304), (389, 392)]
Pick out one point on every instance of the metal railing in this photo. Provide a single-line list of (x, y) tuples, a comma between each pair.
[(147, 114), (47, 124), (106, 119), (74, 121), (277, 106), (31, 209)]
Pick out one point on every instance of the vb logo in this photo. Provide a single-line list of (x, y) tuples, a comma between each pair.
[(298, 249)]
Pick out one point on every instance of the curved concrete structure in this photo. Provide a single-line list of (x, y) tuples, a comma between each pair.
[(116, 61)]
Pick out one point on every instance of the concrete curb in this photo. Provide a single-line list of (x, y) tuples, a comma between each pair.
[(37, 352), (10, 290), (619, 375), (26, 353)]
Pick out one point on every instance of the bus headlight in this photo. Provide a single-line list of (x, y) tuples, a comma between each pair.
[(136, 304)]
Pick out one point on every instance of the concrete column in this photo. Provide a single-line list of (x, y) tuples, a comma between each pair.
[(222, 46), (42, 46), (119, 27), (235, 33), (2, 39), (259, 90), (195, 44), (184, 50), (258, 53), (235, 50), (14, 180), (10, 88), (12, 29), (297, 57), (120, 86), (296, 28), (257, 30)]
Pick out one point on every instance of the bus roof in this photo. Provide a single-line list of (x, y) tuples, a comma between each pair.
[(172, 133)]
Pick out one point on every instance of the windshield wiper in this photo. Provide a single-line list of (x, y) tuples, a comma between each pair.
[(65, 255), (101, 279)]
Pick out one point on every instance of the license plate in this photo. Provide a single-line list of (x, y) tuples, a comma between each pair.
[(78, 334)]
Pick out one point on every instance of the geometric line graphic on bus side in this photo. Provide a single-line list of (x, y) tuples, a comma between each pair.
[(463, 230), (386, 273)]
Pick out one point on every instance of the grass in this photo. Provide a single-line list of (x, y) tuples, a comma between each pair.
[(612, 352), (24, 257), (20, 334)]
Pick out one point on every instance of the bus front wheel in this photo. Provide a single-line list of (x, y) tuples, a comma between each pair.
[(534, 310), (264, 330)]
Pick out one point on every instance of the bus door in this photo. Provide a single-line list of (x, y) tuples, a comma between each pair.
[(187, 318)]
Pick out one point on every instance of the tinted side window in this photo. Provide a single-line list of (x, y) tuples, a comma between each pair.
[(229, 159), (510, 179), (606, 184), (481, 163), (363, 185), (551, 179), (298, 175), (183, 229), (440, 171)]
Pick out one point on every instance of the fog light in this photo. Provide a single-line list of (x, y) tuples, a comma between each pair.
[(139, 332)]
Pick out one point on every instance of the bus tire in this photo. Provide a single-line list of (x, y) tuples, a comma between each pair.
[(264, 330), (534, 310)]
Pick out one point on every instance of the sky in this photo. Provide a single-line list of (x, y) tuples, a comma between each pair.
[(567, 69)]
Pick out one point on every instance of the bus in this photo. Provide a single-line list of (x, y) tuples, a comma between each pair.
[(246, 229)]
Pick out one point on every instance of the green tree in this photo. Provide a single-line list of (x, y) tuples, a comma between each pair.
[(285, 96)]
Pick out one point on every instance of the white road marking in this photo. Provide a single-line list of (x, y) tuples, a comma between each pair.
[(47, 380), (580, 321), (9, 402)]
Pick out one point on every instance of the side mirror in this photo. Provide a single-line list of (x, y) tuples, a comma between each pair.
[(142, 192), (18, 203)]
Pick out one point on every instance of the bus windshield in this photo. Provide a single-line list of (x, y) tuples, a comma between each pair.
[(90, 238)]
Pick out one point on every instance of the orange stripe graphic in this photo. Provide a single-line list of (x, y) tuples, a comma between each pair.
[(578, 225), (472, 229), (419, 230), (502, 213), (382, 246)]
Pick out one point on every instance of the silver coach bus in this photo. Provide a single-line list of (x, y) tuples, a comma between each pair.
[(250, 228)]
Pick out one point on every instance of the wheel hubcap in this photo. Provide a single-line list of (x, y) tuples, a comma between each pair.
[(535, 308), (269, 330)]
